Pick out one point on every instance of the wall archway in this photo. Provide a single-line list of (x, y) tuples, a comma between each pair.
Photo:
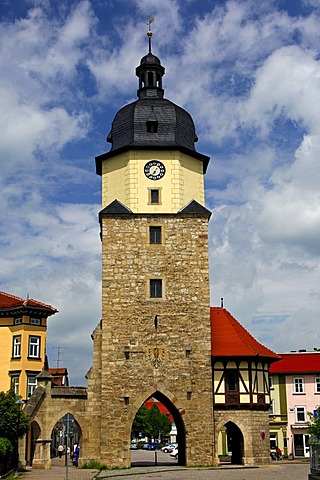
[(235, 443), (234, 435)]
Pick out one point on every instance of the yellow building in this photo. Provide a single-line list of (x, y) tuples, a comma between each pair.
[(23, 326)]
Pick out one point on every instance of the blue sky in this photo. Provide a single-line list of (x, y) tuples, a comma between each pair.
[(249, 74)]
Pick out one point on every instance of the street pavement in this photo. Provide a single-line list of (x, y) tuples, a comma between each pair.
[(167, 469)]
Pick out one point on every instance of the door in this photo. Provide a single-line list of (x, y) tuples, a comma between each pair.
[(301, 445)]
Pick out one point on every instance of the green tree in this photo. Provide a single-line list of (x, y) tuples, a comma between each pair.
[(13, 422), (314, 426), (140, 423), (160, 424), (6, 448), (151, 423)]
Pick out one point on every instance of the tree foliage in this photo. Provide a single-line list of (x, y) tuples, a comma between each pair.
[(13, 422), (151, 423), (314, 426), (6, 448)]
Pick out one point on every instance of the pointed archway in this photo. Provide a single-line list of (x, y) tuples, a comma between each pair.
[(235, 443), (178, 422), (181, 433)]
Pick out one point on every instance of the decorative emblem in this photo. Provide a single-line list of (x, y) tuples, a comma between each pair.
[(156, 356), (154, 170)]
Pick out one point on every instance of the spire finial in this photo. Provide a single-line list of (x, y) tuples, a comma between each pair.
[(149, 33)]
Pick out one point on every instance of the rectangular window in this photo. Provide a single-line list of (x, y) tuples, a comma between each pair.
[(154, 196), (35, 321), (32, 384), (317, 384), (271, 408), (34, 347), (298, 385), (232, 382), (155, 235), (301, 414), (273, 441), (15, 384), (156, 288), (18, 321), (271, 383), (16, 346)]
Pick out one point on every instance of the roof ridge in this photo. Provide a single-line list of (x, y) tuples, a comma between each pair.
[(231, 338), (12, 296), (239, 332)]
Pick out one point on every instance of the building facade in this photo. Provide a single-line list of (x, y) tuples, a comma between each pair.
[(241, 393), (23, 326), (295, 392)]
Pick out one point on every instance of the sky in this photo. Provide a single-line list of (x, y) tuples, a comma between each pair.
[(249, 74)]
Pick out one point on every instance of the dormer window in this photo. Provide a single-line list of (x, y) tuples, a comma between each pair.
[(35, 321), (152, 126)]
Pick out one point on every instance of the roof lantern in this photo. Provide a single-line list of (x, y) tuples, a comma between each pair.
[(151, 122)]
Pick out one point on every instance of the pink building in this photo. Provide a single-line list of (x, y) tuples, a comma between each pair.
[(299, 372)]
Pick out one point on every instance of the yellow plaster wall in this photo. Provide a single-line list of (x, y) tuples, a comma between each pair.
[(23, 364), (5, 354), (123, 179)]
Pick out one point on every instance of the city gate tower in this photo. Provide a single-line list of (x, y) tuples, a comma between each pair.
[(154, 339)]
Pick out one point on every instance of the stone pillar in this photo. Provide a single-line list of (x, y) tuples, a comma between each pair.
[(42, 457)]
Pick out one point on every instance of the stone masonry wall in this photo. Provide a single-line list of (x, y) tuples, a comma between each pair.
[(138, 359), (254, 425)]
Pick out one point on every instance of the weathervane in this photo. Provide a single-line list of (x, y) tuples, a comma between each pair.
[(149, 33)]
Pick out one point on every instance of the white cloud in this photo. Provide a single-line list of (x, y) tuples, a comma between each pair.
[(249, 75)]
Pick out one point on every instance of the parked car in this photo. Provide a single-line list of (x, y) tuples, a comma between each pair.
[(133, 446), (151, 446), (168, 448), (174, 453)]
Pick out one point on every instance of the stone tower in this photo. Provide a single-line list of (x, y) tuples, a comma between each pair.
[(154, 336)]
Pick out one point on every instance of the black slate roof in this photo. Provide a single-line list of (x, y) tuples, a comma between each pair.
[(151, 122)]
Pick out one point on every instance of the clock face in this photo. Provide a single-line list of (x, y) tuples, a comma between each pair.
[(154, 170)]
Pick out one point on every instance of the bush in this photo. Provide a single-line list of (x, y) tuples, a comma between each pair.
[(6, 448)]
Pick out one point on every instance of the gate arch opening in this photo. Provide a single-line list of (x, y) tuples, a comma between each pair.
[(177, 422), (66, 432), (235, 443)]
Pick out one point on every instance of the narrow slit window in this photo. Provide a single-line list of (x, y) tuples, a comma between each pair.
[(156, 288), (155, 235)]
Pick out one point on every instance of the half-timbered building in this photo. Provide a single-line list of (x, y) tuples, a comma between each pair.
[(241, 392)]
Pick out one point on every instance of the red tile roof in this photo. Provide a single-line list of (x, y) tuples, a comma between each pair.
[(230, 339), (307, 362), (58, 371), (149, 404), (8, 302), (60, 376)]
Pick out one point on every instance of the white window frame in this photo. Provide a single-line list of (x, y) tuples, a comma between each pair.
[(271, 408), (273, 441), (34, 347), (18, 321), (16, 346), (271, 387), (301, 408), (317, 384), (35, 321), (298, 385), (15, 383), (32, 385)]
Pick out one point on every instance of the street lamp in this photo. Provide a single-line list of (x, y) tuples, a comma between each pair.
[(18, 402)]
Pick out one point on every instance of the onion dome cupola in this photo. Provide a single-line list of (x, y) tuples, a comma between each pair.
[(152, 121)]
